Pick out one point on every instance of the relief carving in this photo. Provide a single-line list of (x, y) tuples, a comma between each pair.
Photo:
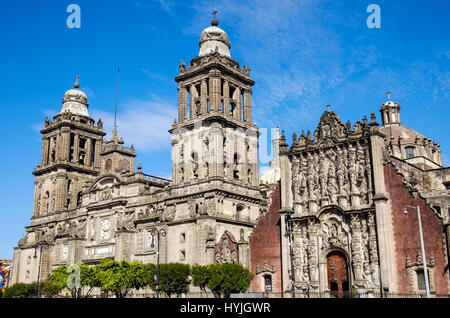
[(227, 250)]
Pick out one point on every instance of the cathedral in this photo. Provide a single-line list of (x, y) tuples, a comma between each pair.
[(347, 207)]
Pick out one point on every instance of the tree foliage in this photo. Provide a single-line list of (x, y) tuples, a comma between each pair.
[(173, 279), (200, 276), (222, 279), (65, 277), (119, 277), (20, 290), (48, 290)]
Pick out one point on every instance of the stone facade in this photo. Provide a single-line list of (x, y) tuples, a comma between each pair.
[(328, 216), (90, 202), (346, 190)]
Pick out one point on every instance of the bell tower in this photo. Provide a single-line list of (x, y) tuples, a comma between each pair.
[(71, 146), (390, 112), (214, 136)]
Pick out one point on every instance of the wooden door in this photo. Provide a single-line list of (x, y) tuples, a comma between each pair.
[(337, 274)]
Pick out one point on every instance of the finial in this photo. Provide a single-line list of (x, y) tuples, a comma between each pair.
[(328, 108), (373, 120), (388, 93), (77, 85), (214, 21)]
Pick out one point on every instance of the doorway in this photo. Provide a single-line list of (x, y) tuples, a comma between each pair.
[(337, 274)]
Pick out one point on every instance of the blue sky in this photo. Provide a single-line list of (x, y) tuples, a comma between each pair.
[(303, 54)]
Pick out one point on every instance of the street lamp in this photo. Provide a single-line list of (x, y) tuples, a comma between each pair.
[(159, 232), (288, 233), (424, 258), (39, 268)]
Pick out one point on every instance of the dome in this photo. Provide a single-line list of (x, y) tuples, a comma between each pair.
[(391, 104), (75, 101), (407, 134), (214, 37)]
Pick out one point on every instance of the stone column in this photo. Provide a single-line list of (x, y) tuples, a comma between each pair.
[(248, 106), (87, 161), (76, 148), (35, 199), (45, 151), (226, 98), (216, 162), (191, 101), (182, 103), (214, 91), (98, 150), (383, 215), (65, 145), (237, 98), (204, 96), (60, 190)]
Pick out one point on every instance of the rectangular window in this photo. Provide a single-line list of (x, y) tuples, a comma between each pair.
[(268, 283), (83, 143), (410, 152), (421, 279)]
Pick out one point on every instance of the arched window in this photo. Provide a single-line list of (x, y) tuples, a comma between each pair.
[(232, 108), (409, 151), (240, 210)]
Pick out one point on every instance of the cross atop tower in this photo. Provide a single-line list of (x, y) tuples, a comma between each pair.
[(328, 107), (388, 93), (214, 21)]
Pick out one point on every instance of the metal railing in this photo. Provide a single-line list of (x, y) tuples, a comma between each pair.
[(301, 295)]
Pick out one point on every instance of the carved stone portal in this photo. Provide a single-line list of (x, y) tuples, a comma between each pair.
[(227, 250)]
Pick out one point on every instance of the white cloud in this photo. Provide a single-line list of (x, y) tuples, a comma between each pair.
[(144, 124)]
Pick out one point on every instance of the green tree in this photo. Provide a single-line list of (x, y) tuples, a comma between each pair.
[(20, 290), (200, 276), (47, 289), (149, 275), (65, 277), (173, 279), (119, 277), (223, 279)]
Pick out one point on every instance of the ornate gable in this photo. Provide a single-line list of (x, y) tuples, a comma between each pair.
[(227, 249)]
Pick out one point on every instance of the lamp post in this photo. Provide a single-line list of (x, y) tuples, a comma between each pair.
[(39, 269), (424, 258), (157, 233), (288, 233)]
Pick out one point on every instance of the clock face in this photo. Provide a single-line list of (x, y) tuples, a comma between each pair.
[(108, 165)]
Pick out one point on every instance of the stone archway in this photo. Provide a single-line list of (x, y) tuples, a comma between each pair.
[(337, 274)]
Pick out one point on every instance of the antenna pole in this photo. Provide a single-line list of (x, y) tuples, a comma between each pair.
[(117, 96)]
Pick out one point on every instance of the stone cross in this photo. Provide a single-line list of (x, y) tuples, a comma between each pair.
[(388, 93)]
